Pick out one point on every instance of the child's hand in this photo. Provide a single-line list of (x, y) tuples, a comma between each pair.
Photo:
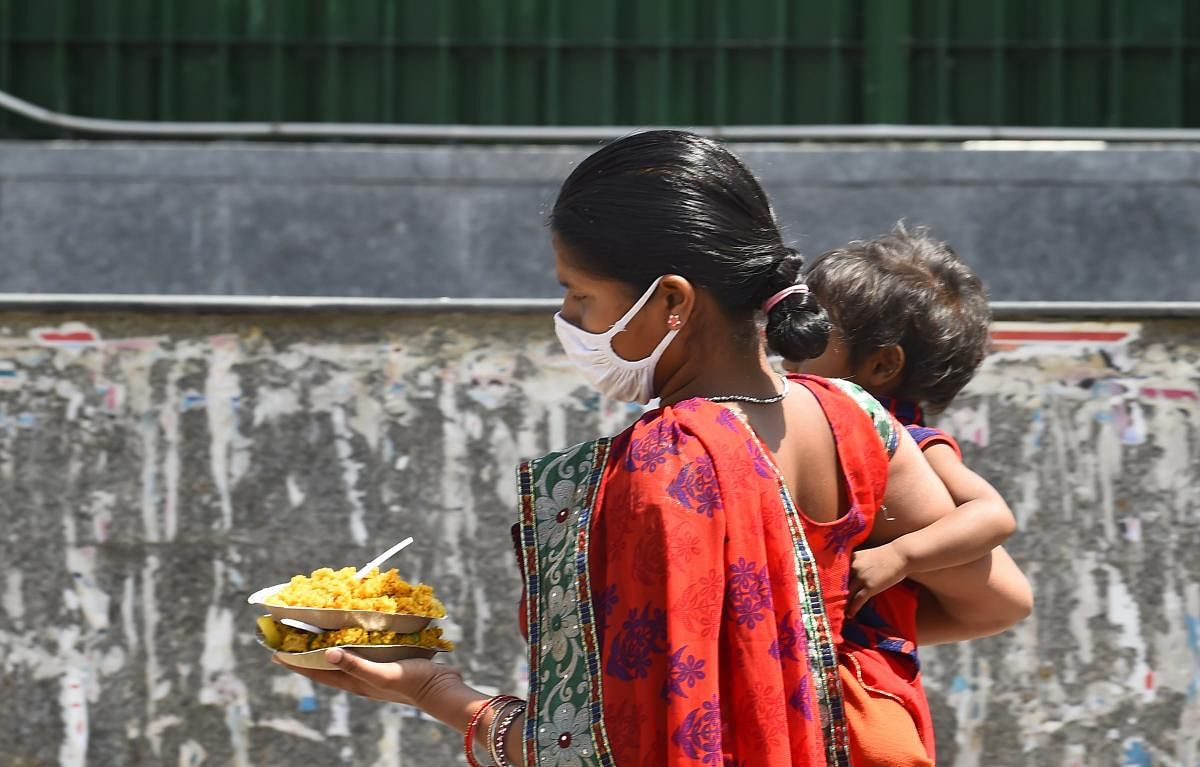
[(872, 571)]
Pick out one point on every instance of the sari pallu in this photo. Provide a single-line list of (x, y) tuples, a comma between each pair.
[(674, 608)]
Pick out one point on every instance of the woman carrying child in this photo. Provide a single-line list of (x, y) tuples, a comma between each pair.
[(687, 579)]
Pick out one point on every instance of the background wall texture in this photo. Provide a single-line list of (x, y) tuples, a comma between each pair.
[(156, 469)]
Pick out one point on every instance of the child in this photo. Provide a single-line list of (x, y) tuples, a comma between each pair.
[(911, 327)]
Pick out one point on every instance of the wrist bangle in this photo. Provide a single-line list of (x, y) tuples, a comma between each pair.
[(502, 714), (500, 734), (501, 709), (469, 735)]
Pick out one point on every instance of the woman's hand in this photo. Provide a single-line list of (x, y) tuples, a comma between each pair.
[(414, 682), (437, 690)]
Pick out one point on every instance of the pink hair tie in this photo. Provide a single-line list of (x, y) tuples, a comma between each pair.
[(769, 304)]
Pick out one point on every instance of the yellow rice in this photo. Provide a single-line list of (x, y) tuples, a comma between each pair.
[(382, 592), (295, 640)]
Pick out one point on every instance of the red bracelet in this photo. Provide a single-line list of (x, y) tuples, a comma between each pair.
[(469, 736)]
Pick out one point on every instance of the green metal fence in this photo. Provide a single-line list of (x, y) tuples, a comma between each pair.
[(607, 62)]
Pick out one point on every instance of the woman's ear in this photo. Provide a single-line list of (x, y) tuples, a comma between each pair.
[(680, 297)]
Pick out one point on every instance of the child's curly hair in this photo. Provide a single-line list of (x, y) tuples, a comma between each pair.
[(909, 289)]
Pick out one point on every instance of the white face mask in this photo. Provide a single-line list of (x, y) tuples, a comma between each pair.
[(615, 377)]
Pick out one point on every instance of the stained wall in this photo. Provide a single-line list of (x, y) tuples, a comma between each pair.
[(156, 469)]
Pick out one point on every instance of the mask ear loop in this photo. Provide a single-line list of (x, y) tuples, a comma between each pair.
[(658, 350), (623, 323)]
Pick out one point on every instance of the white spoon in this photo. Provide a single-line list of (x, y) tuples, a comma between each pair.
[(302, 626), (385, 556)]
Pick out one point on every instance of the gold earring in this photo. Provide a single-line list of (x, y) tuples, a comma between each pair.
[(674, 322)]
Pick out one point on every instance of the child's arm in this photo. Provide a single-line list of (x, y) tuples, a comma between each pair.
[(974, 600), (980, 522)]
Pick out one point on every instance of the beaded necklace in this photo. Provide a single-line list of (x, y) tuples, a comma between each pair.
[(787, 386)]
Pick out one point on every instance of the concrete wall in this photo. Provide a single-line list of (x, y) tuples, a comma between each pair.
[(1114, 225), (154, 470)]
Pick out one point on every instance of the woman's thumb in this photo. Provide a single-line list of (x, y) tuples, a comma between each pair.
[(345, 661)]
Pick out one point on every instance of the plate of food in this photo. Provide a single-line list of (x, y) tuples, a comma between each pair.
[(306, 649), (336, 599)]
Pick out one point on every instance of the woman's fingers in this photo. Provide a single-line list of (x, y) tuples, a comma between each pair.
[(399, 682), (402, 681), (375, 674), (330, 678)]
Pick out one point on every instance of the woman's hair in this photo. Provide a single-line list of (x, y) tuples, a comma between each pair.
[(910, 290), (669, 202)]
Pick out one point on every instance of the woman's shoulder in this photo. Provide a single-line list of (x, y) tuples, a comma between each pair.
[(839, 397), (689, 428)]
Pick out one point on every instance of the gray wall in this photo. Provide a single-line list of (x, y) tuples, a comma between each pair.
[(1120, 225), (153, 477)]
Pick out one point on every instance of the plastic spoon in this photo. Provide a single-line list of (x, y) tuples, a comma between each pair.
[(302, 626), (385, 556)]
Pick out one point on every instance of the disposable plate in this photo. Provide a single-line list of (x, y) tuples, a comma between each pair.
[(332, 618)]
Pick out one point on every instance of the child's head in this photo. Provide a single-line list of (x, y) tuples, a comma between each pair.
[(910, 319)]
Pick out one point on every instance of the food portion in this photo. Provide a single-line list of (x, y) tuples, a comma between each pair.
[(287, 639), (383, 592), (386, 618)]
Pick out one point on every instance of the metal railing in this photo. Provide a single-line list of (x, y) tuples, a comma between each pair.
[(199, 304), (584, 134)]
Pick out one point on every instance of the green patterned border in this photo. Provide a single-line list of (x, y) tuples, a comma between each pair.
[(885, 425), (565, 725)]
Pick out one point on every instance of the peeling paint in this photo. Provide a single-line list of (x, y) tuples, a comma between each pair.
[(153, 475)]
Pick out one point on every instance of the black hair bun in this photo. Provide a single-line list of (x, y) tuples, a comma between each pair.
[(797, 326)]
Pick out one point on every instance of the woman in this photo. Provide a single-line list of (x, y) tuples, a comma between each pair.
[(686, 579)]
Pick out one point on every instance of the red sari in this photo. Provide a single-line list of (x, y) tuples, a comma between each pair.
[(704, 649), (682, 610)]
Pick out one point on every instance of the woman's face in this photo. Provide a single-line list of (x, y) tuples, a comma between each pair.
[(595, 304)]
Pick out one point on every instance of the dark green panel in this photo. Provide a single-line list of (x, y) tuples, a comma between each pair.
[(824, 68), (34, 21), (581, 93), (690, 23), (416, 77), (525, 103), (751, 21), (360, 91), (637, 94), (693, 98), (1190, 64), (197, 22), (526, 20), (634, 62), (365, 22), (302, 92), (587, 23), (1086, 92), (748, 93), (255, 97), (418, 22), (1148, 107), (886, 61)]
